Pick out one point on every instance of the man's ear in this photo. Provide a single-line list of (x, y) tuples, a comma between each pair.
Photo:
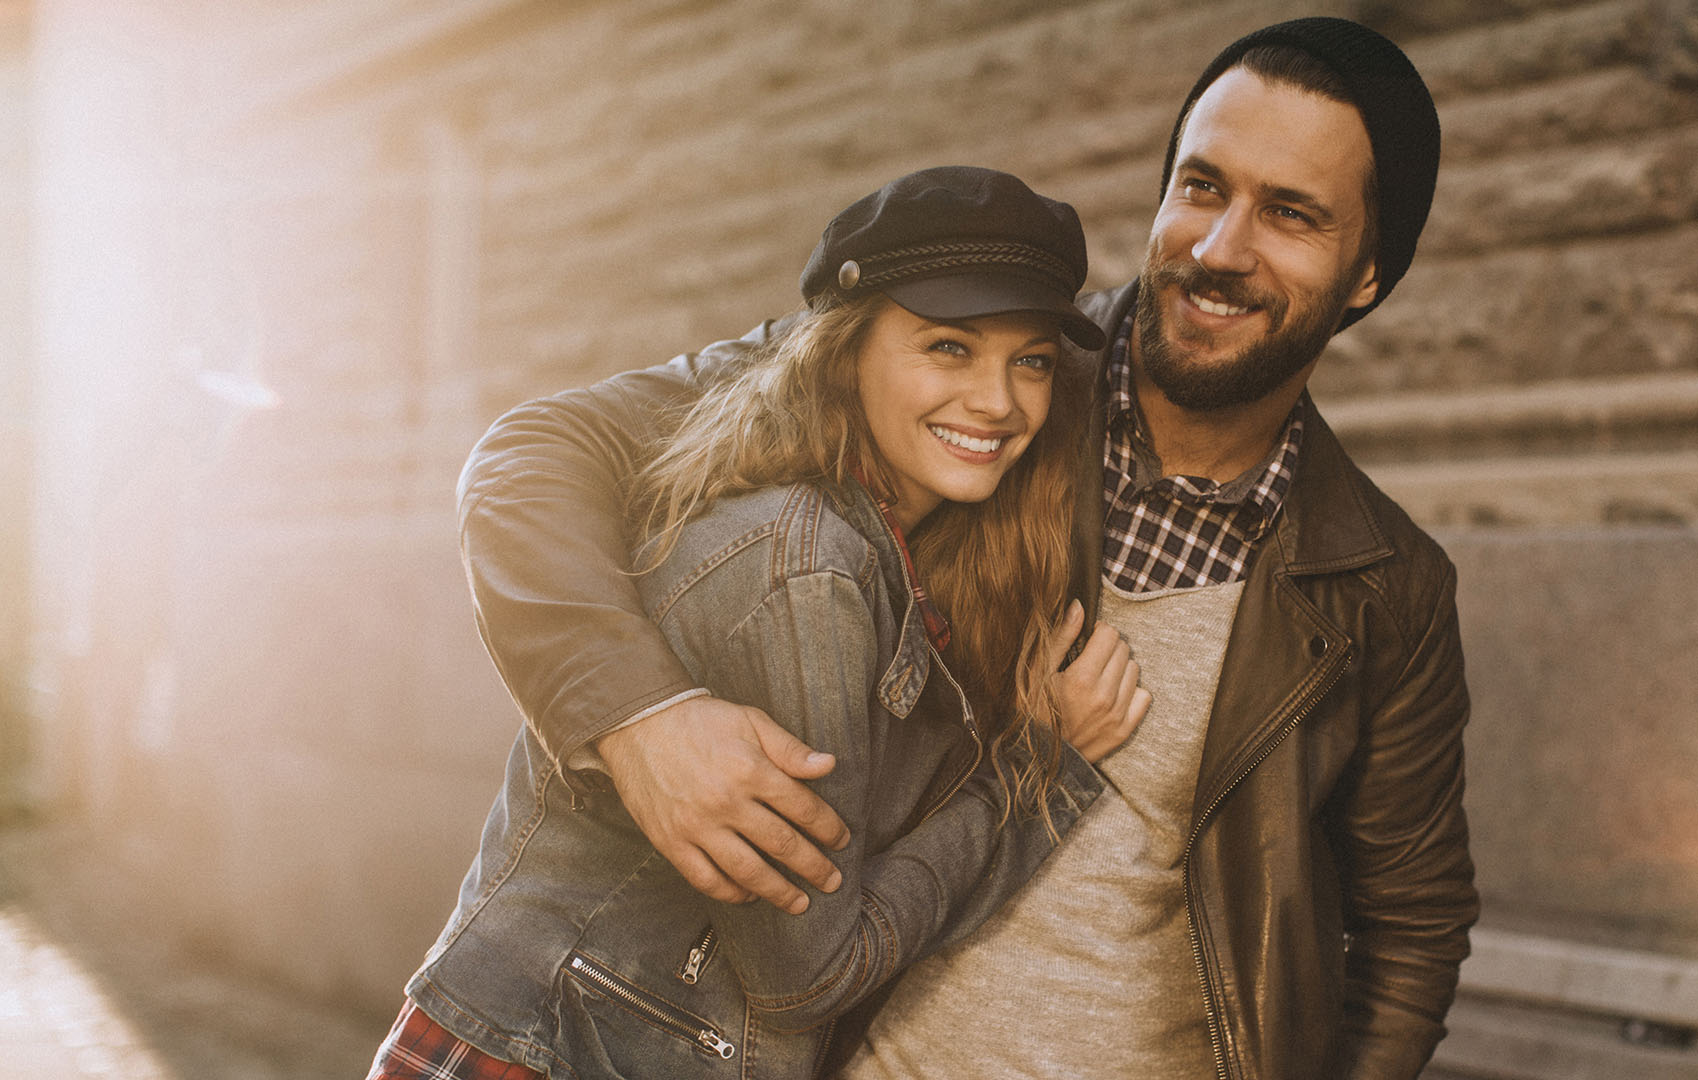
[(1367, 288)]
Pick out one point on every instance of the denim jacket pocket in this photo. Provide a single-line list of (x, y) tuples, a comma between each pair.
[(600, 980)]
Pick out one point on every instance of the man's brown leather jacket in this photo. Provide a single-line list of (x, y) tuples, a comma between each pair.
[(1328, 881)]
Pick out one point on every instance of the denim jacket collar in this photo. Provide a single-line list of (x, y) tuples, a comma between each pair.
[(900, 685)]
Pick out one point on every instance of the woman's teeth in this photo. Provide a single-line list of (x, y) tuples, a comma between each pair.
[(966, 442), (1216, 309)]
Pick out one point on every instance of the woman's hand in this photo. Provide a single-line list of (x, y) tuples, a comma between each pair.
[(1098, 694)]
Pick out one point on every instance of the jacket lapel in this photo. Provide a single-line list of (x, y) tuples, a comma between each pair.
[(1284, 653)]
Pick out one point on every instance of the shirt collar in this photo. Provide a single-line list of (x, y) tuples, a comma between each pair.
[(1263, 485), (937, 627)]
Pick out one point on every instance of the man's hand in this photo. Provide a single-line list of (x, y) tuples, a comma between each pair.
[(713, 784), (1098, 696)]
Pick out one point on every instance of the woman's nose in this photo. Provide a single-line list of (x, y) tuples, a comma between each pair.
[(989, 393)]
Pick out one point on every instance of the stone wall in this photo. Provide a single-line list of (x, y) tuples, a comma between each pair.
[(14, 401), (292, 263)]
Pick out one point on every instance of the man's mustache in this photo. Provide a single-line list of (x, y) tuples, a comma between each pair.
[(1231, 289)]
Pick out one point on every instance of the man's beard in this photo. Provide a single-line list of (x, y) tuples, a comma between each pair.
[(1262, 367)]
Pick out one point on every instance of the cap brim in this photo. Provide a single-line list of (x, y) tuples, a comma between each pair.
[(971, 295)]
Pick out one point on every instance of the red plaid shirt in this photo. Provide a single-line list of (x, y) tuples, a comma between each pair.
[(937, 627), (418, 1048)]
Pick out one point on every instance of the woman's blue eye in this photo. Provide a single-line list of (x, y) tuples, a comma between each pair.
[(1037, 361), (949, 346)]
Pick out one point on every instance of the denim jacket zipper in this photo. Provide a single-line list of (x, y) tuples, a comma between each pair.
[(700, 953), (972, 730)]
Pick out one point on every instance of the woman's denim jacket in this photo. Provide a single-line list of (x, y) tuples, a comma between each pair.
[(577, 950)]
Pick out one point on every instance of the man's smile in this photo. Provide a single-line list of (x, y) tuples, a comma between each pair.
[(1214, 307)]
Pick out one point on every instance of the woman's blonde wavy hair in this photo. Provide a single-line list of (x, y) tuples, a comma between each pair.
[(792, 411)]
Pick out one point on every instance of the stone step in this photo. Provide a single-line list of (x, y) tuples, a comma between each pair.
[(1539, 1008)]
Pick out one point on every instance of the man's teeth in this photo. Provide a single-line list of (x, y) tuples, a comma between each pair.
[(1216, 309), (966, 442)]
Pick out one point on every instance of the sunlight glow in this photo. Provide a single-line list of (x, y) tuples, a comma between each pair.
[(55, 1020)]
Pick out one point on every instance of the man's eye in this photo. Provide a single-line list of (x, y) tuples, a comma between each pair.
[(1289, 213), (1196, 184)]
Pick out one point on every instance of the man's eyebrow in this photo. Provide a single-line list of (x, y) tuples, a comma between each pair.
[(1316, 209), (1320, 211), (1193, 163)]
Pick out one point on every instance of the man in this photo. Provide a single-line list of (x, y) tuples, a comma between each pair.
[(1284, 889)]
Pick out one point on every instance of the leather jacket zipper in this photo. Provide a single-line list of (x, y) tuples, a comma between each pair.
[(700, 953), (667, 1017), (1209, 1007)]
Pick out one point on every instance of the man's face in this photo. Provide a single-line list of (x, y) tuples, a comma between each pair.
[(1254, 254)]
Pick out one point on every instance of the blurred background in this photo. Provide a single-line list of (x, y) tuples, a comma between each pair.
[(268, 270)]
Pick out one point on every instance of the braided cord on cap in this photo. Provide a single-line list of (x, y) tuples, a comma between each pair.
[(931, 259)]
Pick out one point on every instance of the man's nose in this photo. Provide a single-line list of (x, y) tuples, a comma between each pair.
[(1228, 245)]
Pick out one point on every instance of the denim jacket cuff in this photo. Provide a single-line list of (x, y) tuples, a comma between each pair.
[(1078, 782)]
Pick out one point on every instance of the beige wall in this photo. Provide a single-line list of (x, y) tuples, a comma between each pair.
[(14, 401), (291, 263)]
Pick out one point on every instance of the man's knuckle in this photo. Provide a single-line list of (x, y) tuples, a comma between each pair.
[(782, 844), (701, 878)]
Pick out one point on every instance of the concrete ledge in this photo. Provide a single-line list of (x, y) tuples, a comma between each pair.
[(1612, 489), (1664, 399), (1496, 1040), (1538, 1008), (1591, 978)]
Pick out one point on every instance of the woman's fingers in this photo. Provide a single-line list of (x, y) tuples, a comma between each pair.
[(1072, 621), (1140, 708), (1128, 684), (1099, 698), (1101, 648)]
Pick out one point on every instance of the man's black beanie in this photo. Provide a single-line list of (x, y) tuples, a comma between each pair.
[(1396, 108)]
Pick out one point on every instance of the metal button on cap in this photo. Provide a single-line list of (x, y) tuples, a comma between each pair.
[(849, 274)]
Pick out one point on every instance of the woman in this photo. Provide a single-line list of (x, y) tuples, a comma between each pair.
[(909, 398)]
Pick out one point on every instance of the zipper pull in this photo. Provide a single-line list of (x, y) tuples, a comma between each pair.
[(698, 957), (712, 1041), (692, 969)]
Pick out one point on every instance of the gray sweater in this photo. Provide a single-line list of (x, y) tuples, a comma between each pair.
[(1088, 971)]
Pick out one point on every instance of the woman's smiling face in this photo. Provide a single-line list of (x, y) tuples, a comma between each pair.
[(951, 406)]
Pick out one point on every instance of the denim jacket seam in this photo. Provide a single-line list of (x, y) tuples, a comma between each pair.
[(615, 890), (707, 565), (862, 972), (830, 982), (804, 505), (514, 854), (886, 929)]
